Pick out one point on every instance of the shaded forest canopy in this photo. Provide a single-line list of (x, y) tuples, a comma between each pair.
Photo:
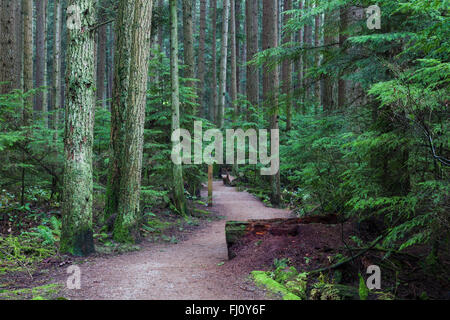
[(87, 112)]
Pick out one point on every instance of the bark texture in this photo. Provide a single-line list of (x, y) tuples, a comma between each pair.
[(252, 49), (119, 105), (223, 64), (77, 235), (271, 81), (127, 223), (178, 186)]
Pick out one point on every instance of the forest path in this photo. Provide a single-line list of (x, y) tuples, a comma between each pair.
[(187, 270)]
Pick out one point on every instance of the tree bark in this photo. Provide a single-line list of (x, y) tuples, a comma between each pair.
[(223, 64), (213, 107), (287, 70), (119, 104), (252, 49), (178, 186), (9, 56), (188, 43), (234, 89), (271, 82), (201, 57), (77, 234), (56, 85), (127, 223), (41, 59), (101, 56), (307, 37), (327, 92), (342, 84), (27, 70)]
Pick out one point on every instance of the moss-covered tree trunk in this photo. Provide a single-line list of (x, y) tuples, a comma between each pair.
[(178, 186), (127, 223), (119, 103), (77, 236)]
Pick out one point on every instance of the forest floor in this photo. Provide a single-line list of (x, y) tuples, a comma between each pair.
[(194, 268), (196, 265)]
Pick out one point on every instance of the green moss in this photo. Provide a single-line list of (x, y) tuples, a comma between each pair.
[(262, 279), (45, 292)]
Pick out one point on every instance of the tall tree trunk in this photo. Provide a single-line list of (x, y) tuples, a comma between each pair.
[(327, 92), (56, 85), (213, 107), (234, 89), (119, 104), (287, 70), (342, 84), (307, 38), (101, 56), (317, 22), (223, 63), (27, 70), (41, 59), (178, 185), (77, 234), (127, 224), (160, 27), (237, 23), (201, 57), (188, 43), (9, 27), (271, 81), (252, 49)]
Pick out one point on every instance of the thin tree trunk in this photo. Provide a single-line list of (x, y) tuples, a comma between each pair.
[(9, 27), (307, 37), (77, 234), (317, 22), (234, 90), (179, 200), (342, 84), (201, 57), (271, 82), (56, 85), (327, 92), (41, 59), (287, 70), (27, 16), (213, 107), (127, 224), (237, 23), (188, 42), (223, 63), (252, 49)]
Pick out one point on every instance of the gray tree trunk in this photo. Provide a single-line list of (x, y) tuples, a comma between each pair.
[(77, 234)]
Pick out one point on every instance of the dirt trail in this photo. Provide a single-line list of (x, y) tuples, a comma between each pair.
[(187, 270)]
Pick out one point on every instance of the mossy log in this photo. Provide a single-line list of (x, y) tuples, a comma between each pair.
[(236, 231)]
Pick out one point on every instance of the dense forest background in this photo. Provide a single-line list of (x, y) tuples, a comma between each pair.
[(85, 130)]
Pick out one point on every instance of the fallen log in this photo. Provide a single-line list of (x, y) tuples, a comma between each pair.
[(235, 231)]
